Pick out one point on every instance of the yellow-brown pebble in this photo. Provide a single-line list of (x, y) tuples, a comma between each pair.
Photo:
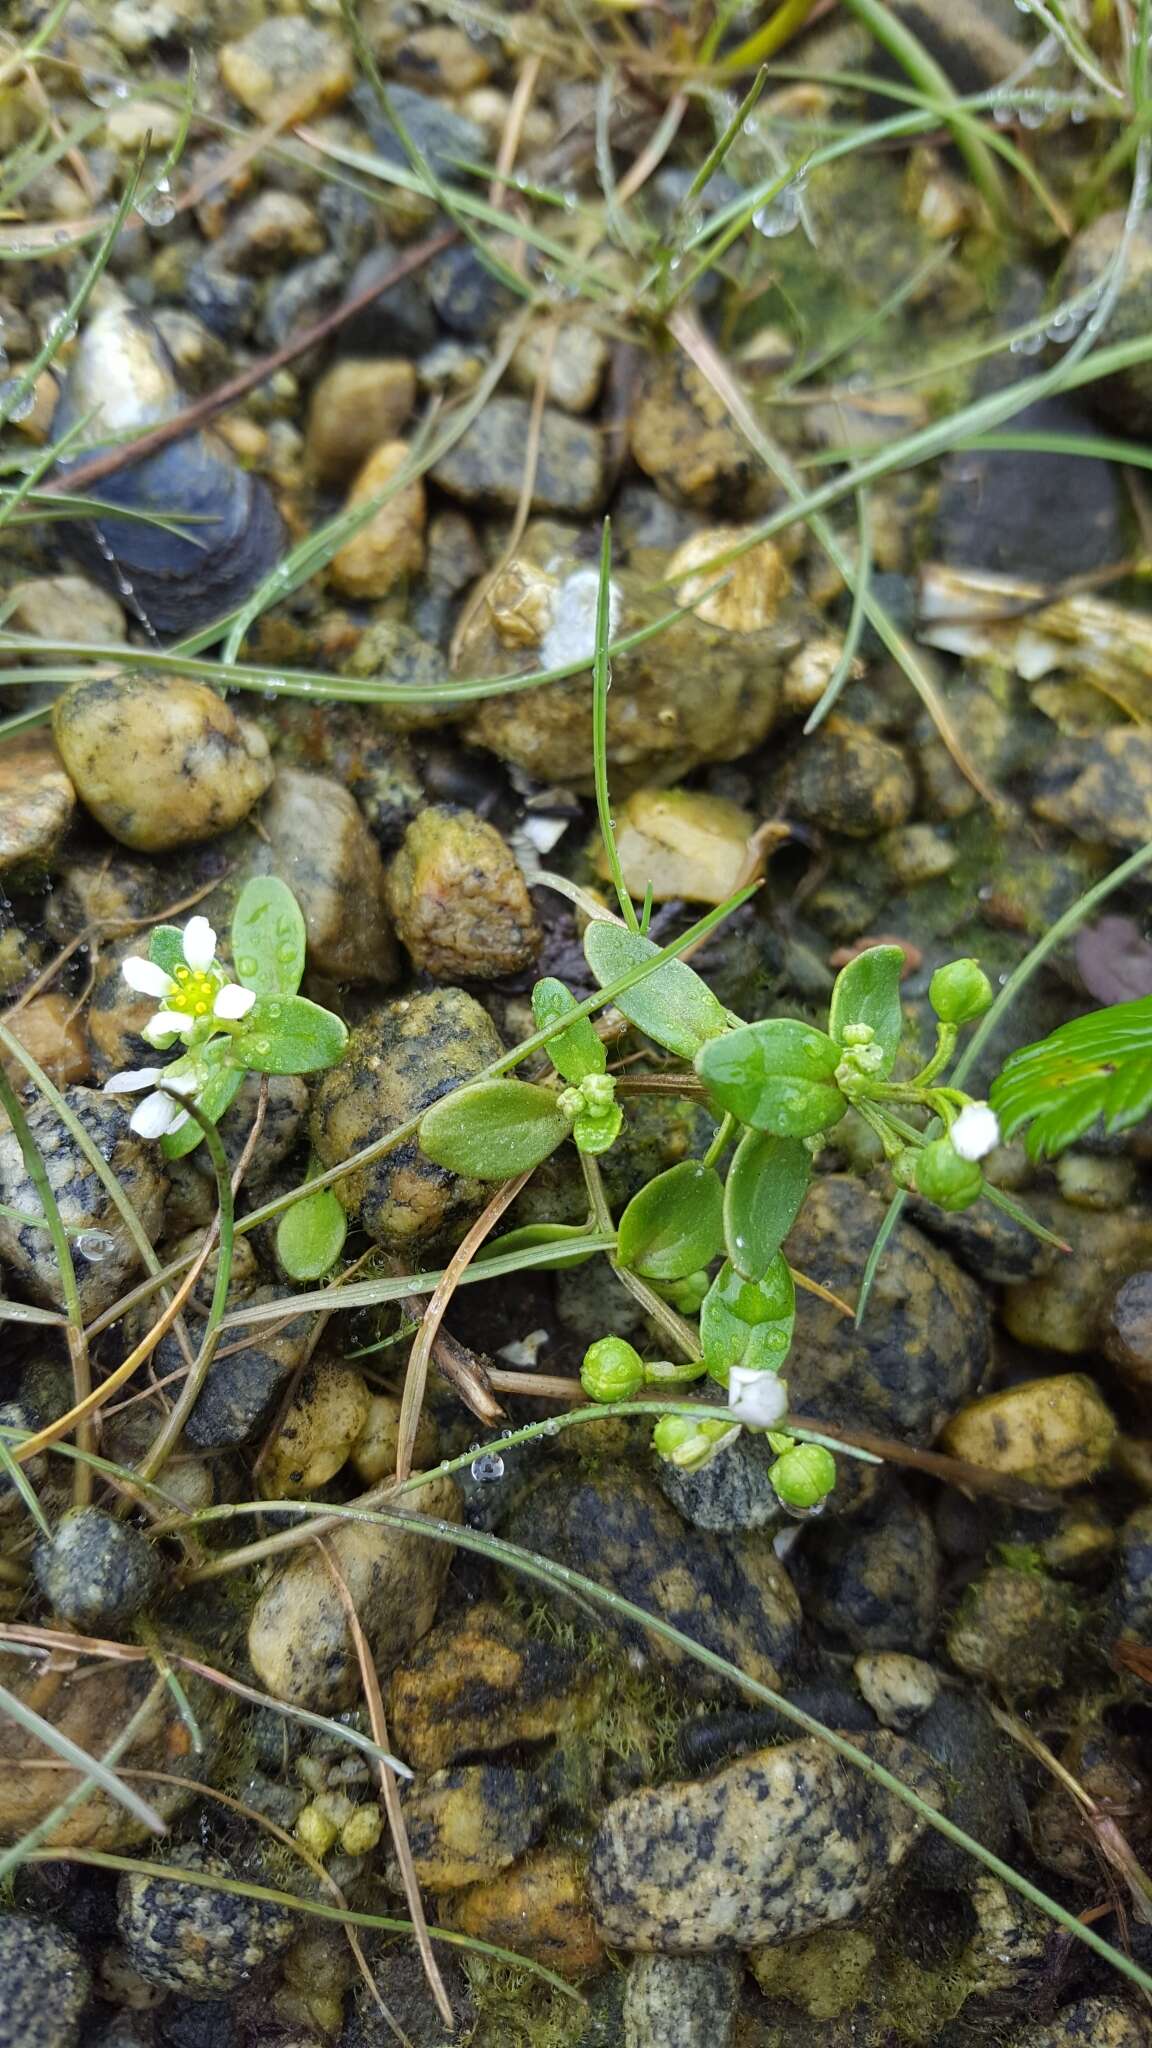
[(316, 1435), (390, 545), (288, 66), (685, 843), (358, 404), (49, 1029), (1053, 1432), (374, 1451), (36, 803), (539, 1907), (459, 900), (749, 596)]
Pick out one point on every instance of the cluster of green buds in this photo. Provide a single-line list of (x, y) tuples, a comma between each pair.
[(589, 1100), (595, 1113)]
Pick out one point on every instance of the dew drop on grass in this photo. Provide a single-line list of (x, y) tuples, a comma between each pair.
[(16, 408), (488, 1466), (95, 1245)]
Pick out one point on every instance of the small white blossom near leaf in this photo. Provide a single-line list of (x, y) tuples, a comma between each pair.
[(758, 1398), (158, 1113), (976, 1131), (197, 995)]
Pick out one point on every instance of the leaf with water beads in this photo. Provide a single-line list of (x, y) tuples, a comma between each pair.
[(268, 937), (289, 1035)]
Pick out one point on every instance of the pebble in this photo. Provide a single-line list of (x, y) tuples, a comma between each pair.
[(359, 403), (243, 1387), (141, 122), (1126, 396), (1103, 2022), (539, 1907), (731, 1492), (160, 761), (471, 300), (681, 2002), (315, 1435), (898, 1688), (683, 438), (771, 1848), (399, 323), (751, 587), (459, 900), (44, 1984), (688, 845), (37, 801), (1087, 1182), (1132, 1598), (481, 1683), (403, 1057), (390, 545), (316, 840), (616, 1528), (874, 1580), (1065, 1307), (442, 58), (1098, 788), (467, 1823), (288, 68), (96, 1572), (1128, 1330), (486, 465), (285, 1116), (845, 779), (267, 233), (374, 1451), (84, 1203), (298, 1637), (188, 1937), (1054, 1432), (50, 1030), (574, 369), (445, 136), (1014, 1629), (57, 608)]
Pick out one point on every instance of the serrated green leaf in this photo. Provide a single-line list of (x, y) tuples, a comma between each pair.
[(1095, 1066), (166, 947), (748, 1322), (673, 1006), (268, 937), (214, 1098), (493, 1129), (310, 1235), (763, 1196), (675, 1225), (775, 1076), (577, 1051), (532, 1234), (1129, 1096), (1064, 1120), (289, 1035), (867, 991)]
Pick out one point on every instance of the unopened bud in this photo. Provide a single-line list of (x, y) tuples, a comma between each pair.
[(960, 992)]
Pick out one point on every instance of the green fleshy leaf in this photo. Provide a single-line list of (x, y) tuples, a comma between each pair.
[(310, 1235), (214, 1098), (289, 1035), (763, 1196), (867, 991), (268, 938), (748, 1322), (576, 1052), (775, 1076), (166, 947), (675, 1225), (673, 1006), (493, 1129), (596, 1134), (532, 1234)]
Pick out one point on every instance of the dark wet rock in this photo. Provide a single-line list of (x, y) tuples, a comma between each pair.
[(373, 764), (318, 843), (458, 898), (470, 299), (1104, 2022), (36, 805), (160, 760), (195, 2023), (97, 1572), (87, 1715), (285, 1115), (1098, 788), (683, 438), (399, 1976), (121, 381), (923, 1346), (732, 1492), (481, 1683), (539, 1906), (222, 299), (188, 1937), (298, 1637), (288, 68), (1132, 1599), (773, 1847), (1032, 515), (987, 1243), (242, 1388), (399, 1061), (44, 1984), (468, 1822), (1015, 1629), (1107, 1768), (979, 1767), (618, 1530), (400, 322), (446, 137), (681, 2002), (847, 780), (486, 465), (295, 301), (875, 1580), (108, 1255)]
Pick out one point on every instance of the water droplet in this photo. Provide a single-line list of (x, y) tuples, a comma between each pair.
[(247, 965), (260, 1046), (103, 92), (156, 208), (286, 954), (488, 1466), (60, 326), (95, 1245), (274, 1010), (15, 407), (780, 215)]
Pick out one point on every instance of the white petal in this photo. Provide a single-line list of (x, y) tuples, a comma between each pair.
[(131, 1079), (976, 1131), (185, 1083), (166, 1025), (199, 944), (178, 1122), (155, 1115), (233, 1001), (146, 978), (760, 1398)]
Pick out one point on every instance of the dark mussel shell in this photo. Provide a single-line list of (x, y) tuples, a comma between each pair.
[(229, 534)]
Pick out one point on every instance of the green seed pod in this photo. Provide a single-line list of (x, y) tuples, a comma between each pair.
[(689, 1444), (804, 1476), (960, 992), (612, 1370), (946, 1179), (687, 1295)]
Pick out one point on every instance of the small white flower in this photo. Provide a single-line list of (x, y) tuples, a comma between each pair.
[(195, 996), (199, 944), (233, 1002), (157, 1114), (145, 977), (975, 1132), (759, 1398)]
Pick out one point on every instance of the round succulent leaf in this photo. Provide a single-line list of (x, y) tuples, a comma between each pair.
[(576, 1051), (674, 1225), (268, 937), (289, 1035), (775, 1076), (867, 991), (748, 1322), (310, 1235), (493, 1129), (763, 1196), (672, 1005)]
